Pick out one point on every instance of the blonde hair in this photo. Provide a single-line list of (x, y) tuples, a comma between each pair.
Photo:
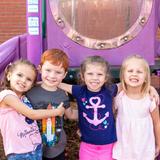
[(95, 60), (146, 84)]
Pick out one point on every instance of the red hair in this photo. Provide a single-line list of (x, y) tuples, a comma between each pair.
[(55, 57)]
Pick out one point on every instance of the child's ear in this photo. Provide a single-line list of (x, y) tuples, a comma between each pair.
[(65, 74), (39, 68), (8, 76)]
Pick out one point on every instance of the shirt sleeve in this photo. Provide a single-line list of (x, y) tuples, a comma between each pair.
[(153, 105), (4, 93), (118, 100)]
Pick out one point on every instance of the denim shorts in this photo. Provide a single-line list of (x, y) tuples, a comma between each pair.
[(34, 155)]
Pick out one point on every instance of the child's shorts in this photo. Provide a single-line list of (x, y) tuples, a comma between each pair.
[(95, 152), (34, 155)]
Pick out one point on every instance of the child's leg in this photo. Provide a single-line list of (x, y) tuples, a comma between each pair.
[(95, 152)]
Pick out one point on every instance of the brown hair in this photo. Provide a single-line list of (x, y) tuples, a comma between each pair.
[(55, 57), (96, 60), (5, 83), (146, 84)]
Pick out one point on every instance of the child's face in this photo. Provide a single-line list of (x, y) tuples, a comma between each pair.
[(94, 77), (21, 79), (51, 75), (134, 74)]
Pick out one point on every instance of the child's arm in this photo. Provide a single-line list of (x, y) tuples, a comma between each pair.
[(156, 124), (14, 102), (154, 94), (71, 113), (114, 108), (66, 87)]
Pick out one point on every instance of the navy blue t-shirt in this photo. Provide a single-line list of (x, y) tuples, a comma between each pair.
[(96, 120)]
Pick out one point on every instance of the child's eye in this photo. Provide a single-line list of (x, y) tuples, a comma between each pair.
[(130, 71), (48, 70), (139, 72), (89, 73), (29, 79), (100, 74), (58, 72), (19, 75)]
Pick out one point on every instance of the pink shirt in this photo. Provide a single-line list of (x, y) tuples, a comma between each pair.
[(18, 135)]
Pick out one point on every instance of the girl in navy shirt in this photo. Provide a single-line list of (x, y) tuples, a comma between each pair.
[(96, 120)]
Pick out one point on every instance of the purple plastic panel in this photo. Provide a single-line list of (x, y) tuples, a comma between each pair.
[(143, 44), (34, 30), (158, 24), (11, 50)]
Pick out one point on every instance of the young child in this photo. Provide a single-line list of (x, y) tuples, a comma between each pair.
[(137, 122), (21, 137), (53, 69), (94, 98)]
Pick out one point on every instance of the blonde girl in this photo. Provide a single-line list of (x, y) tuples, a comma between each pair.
[(137, 122), (21, 137)]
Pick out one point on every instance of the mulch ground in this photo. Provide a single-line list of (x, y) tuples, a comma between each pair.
[(2, 157)]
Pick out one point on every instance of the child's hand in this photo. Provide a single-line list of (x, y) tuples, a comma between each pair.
[(60, 109), (79, 133), (154, 94)]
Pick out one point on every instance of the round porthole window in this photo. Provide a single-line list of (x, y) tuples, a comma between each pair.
[(101, 24)]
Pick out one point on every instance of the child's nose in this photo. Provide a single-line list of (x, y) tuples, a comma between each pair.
[(134, 73), (95, 76), (52, 75), (24, 79)]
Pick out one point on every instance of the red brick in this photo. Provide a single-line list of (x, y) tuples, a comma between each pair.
[(12, 18)]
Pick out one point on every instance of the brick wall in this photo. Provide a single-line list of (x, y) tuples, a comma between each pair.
[(12, 18)]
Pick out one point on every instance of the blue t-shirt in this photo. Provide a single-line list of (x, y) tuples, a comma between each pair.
[(96, 120)]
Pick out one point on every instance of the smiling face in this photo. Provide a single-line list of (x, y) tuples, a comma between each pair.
[(51, 75), (135, 74), (94, 76), (21, 78)]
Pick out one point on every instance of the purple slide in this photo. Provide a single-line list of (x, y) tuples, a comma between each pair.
[(11, 50)]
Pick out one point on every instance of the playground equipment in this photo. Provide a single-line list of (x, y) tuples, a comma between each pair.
[(112, 29)]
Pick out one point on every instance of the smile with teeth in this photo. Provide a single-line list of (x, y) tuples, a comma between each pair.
[(133, 79), (94, 83)]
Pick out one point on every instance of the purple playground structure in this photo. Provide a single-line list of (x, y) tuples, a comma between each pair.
[(112, 29)]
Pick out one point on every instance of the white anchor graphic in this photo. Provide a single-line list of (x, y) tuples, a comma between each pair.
[(95, 121)]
